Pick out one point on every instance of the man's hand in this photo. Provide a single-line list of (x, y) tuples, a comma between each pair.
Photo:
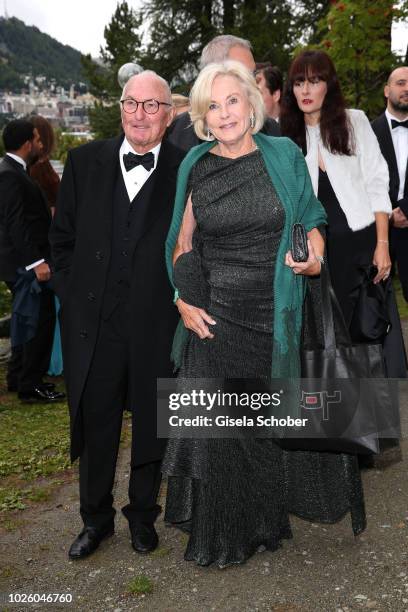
[(398, 219), (42, 272)]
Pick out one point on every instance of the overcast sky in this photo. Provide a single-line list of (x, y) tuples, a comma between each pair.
[(80, 23)]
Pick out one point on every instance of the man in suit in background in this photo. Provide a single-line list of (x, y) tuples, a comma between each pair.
[(391, 129), (219, 49), (270, 82), (24, 225), (117, 314)]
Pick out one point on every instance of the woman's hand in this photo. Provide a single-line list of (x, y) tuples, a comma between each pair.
[(382, 261), (185, 238), (311, 267), (195, 319)]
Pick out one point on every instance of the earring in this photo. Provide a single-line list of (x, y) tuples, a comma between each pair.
[(209, 135), (252, 121)]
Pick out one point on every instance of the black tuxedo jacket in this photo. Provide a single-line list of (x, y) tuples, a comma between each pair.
[(81, 240), (24, 220), (181, 133), (382, 131)]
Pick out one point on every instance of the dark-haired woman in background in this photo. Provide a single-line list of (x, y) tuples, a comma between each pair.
[(44, 174), (42, 171), (350, 178), (349, 174)]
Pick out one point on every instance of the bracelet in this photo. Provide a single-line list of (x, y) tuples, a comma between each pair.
[(176, 296), (383, 241), (320, 258)]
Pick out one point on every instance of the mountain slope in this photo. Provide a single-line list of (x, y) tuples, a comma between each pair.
[(25, 49)]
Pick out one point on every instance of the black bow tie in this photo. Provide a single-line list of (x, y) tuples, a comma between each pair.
[(131, 160), (395, 124)]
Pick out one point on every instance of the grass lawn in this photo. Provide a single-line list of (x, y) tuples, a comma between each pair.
[(5, 300), (34, 443), (34, 453), (402, 304)]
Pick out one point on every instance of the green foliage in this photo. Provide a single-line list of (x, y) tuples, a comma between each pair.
[(25, 49), (34, 440), (34, 448), (122, 46), (105, 119), (358, 40), (178, 32), (269, 26), (180, 29), (308, 18), (5, 300), (140, 585), (402, 304), (65, 142)]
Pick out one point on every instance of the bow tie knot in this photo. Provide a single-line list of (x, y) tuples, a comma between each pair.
[(130, 161), (395, 124)]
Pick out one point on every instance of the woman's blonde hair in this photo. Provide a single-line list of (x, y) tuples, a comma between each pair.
[(200, 95)]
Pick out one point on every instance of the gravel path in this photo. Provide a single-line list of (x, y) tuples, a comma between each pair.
[(323, 569)]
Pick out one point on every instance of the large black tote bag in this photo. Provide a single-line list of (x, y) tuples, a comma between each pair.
[(342, 406)]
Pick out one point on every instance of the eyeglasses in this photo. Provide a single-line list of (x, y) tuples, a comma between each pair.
[(150, 107)]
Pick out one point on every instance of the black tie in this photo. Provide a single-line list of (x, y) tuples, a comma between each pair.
[(131, 160), (395, 124)]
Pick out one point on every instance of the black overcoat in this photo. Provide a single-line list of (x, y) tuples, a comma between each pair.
[(81, 245)]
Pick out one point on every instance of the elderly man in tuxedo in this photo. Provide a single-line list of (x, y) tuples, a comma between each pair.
[(24, 225), (391, 129), (117, 314), (219, 49)]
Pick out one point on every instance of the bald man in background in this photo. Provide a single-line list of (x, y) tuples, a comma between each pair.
[(391, 129)]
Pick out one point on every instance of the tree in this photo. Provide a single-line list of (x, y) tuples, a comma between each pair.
[(359, 42), (122, 45), (179, 30), (308, 15), (269, 26)]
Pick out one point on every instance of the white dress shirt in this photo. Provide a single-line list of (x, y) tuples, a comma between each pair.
[(21, 161), (135, 178), (400, 141), (360, 181)]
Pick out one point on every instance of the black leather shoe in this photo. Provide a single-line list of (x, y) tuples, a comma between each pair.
[(144, 537), (48, 386), (39, 395), (88, 541)]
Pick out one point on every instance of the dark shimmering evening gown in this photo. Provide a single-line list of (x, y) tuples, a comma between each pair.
[(231, 495)]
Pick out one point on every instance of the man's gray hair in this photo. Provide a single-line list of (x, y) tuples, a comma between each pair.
[(216, 51), (163, 82)]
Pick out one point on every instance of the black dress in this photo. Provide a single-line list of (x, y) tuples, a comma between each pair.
[(348, 253), (232, 495)]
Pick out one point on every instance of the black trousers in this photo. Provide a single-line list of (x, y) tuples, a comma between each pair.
[(399, 255), (103, 401), (29, 362)]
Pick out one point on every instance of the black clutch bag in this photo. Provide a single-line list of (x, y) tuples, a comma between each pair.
[(299, 249)]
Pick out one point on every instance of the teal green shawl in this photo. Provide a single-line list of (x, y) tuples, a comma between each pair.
[(289, 174)]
